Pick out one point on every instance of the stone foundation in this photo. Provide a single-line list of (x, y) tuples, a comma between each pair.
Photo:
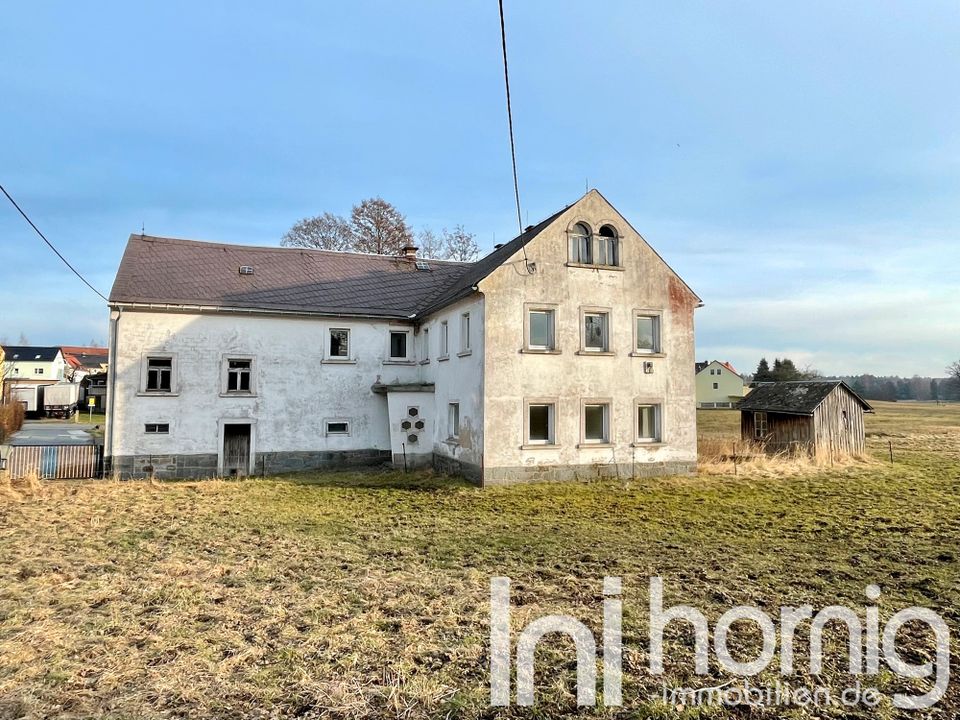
[(452, 466), (269, 463), (584, 473)]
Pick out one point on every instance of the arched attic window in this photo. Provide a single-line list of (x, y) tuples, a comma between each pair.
[(581, 245), (608, 246)]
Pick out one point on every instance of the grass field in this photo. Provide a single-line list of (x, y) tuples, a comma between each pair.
[(366, 595)]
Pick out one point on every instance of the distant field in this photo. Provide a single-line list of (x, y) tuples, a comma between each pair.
[(350, 595)]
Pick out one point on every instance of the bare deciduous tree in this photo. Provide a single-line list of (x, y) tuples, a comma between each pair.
[(378, 227), (430, 246), (24, 340), (324, 232), (953, 370), (460, 245)]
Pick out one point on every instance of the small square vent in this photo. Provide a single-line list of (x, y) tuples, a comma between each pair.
[(648, 367), (246, 269)]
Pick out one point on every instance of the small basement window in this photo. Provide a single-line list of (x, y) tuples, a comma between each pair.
[(157, 428), (338, 427)]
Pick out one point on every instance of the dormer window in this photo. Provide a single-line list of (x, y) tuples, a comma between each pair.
[(581, 245)]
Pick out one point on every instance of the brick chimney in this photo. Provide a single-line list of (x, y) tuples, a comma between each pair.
[(409, 252)]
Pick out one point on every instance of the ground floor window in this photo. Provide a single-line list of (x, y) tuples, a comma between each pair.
[(648, 423), (453, 420), (759, 425), (540, 424), (596, 422)]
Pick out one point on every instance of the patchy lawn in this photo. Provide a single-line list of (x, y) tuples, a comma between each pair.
[(366, 595)]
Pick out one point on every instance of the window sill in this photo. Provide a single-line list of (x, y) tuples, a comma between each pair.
[(238, 395), (425, 362), (464, 353), (594, 445), (648, 355), (588, 266), (540, 446), (145, 393), (336, 361), (536, 351), (452, 442), (443, 358), (598, 353), (651, 445), (393, 361)]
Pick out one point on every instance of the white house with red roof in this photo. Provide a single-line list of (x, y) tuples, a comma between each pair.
[(719, 385)]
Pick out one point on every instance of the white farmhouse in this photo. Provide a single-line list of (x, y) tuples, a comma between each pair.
[(565, 353), (719, 385)]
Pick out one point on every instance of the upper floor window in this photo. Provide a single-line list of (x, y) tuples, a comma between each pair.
[(596, 332), (238, 375), (38, 371), (581, 245), (647, 333), (465, 332), (339, 343), (608, 247), (425, 355), (398, 344), (444, 339), (541, 328), (159, 374), (602, 249)]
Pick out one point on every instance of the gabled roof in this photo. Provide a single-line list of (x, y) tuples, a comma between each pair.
[(701, 366), (168, 271), (79, 357), (801, 397), (26, 353)]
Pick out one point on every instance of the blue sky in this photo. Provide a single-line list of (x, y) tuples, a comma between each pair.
[(798, 165)]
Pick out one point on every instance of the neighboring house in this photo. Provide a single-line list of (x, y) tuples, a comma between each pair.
[(83, 361), (95, 388), (563, 354), (718, 385), (810, 415), (27, 370)]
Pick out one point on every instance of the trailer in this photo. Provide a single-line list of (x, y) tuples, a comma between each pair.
[(30, 396), (60, 400)]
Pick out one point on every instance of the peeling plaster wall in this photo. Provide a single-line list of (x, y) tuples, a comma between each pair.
[(295, 389), (646, 282), (459, 378)]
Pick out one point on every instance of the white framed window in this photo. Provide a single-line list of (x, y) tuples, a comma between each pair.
[(595, 425), (648, 423), (759, 425), (646, 333), (453, 420), (608, 247), (581, 244), (158, 374), (239, 375), (338, 344), (541, 327), (444, 339), (157, 428), (38, 371), (337, 426), (464, 333), (596, 330), (399, 341), (540, 422), (716, 386), (425, 345)]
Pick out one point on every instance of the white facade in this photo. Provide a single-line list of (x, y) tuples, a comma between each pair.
[(718, 386), (470, 394)]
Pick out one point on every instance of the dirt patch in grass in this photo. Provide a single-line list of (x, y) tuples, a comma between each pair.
[(355, 595)]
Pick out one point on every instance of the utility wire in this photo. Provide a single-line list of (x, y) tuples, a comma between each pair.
[(50, 244), (513, 148)]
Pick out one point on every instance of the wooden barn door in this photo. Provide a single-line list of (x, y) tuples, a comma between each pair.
[(236, 449)]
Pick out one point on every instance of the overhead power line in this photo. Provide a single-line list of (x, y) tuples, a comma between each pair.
[(513, 147), (50, 244)]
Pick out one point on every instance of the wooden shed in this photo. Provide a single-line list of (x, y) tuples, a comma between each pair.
[(819, 416)]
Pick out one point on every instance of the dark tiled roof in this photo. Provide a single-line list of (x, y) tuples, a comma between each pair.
[(186, 272), (798, 398), (22, 353)]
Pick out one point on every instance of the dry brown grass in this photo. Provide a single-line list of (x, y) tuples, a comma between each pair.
[(356, 595), (11, 419)]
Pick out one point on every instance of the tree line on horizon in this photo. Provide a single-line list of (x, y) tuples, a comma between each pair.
[(376, 226), (868, 386)]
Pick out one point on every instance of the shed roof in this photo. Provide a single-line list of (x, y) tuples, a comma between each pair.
[(801, 397)]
